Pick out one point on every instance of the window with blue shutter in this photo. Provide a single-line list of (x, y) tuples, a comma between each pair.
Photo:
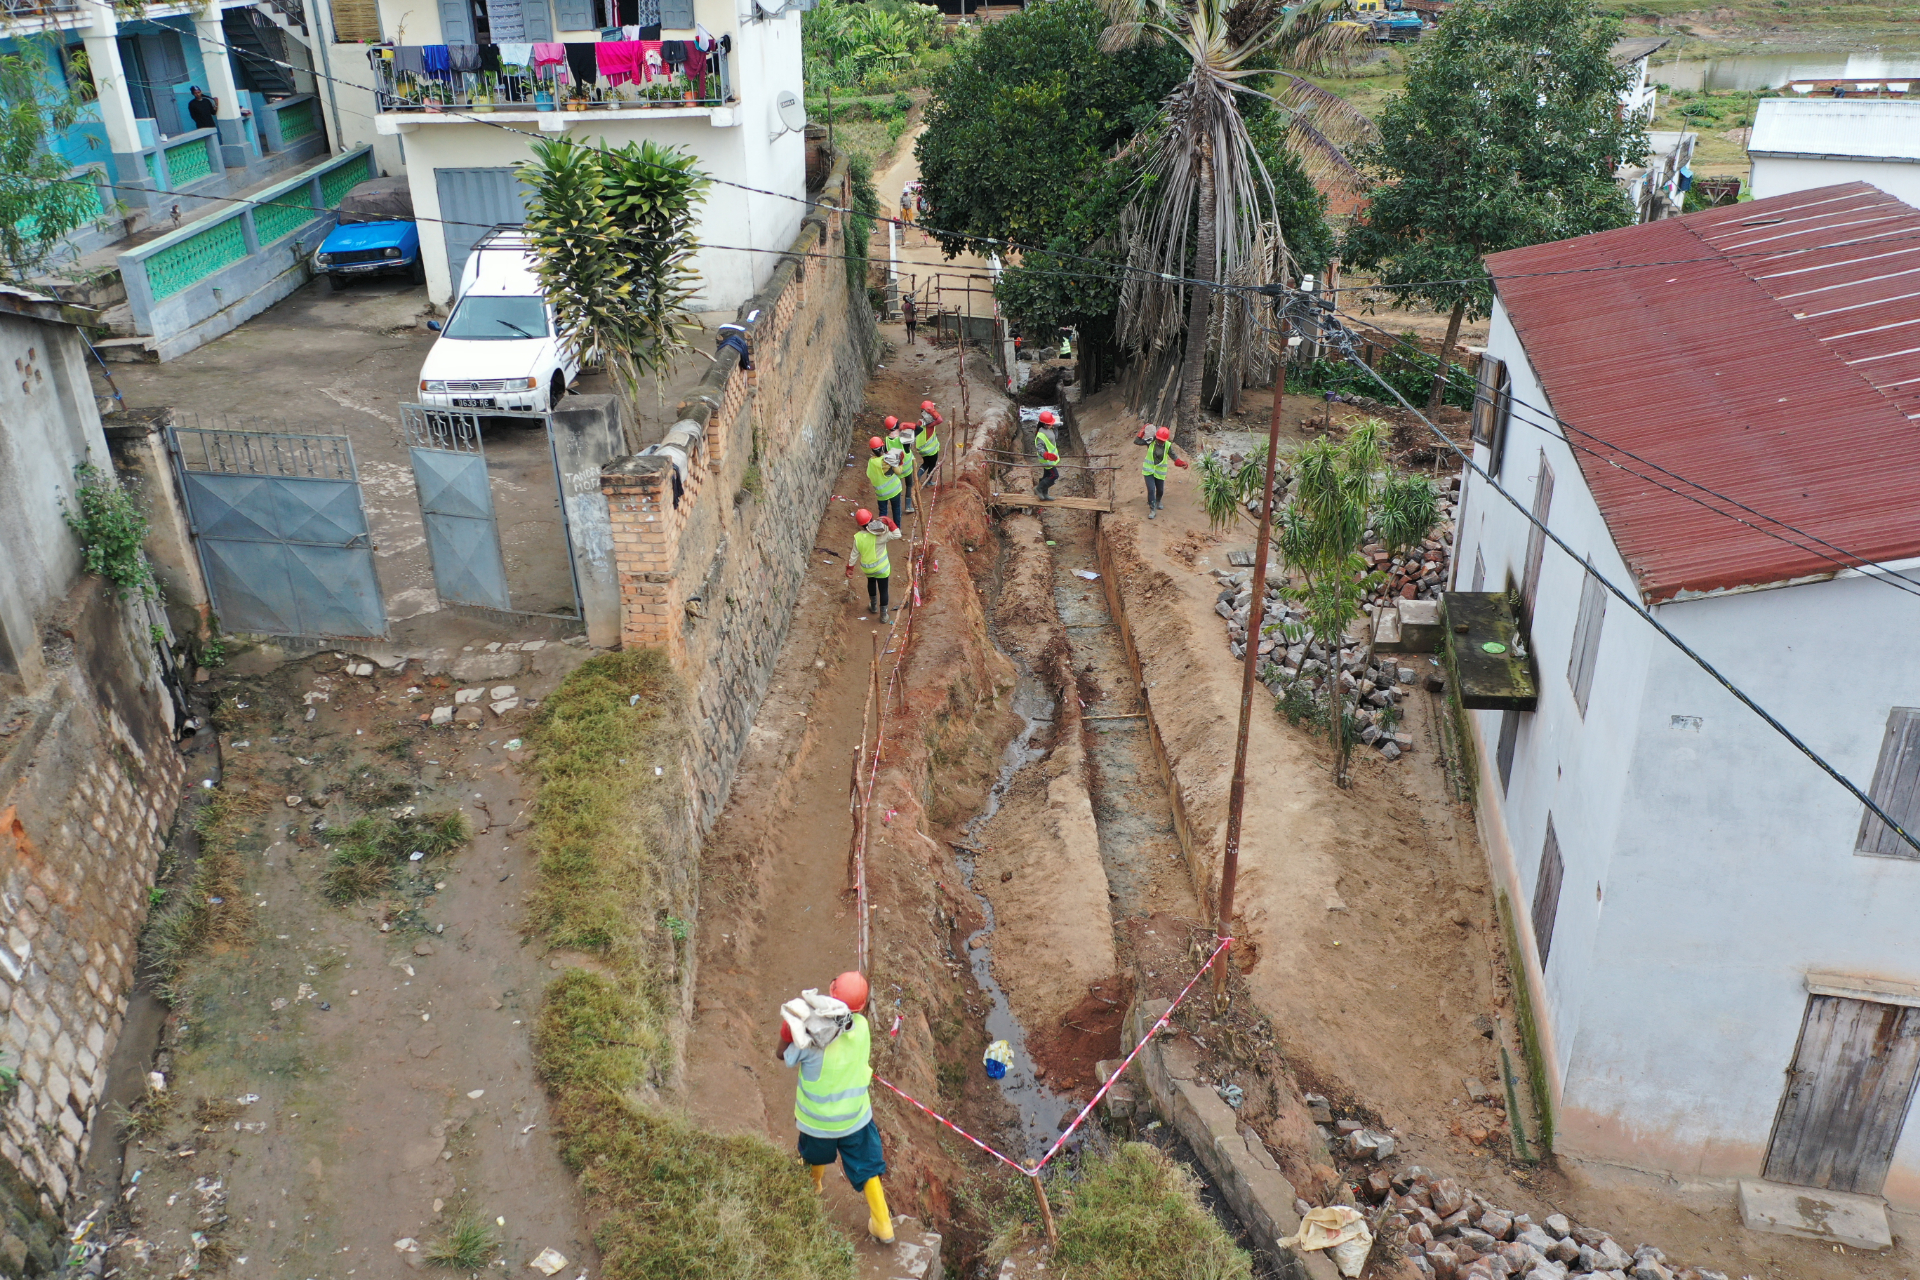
[(576, 15), (539, 20), (676, 15), (456, 22)]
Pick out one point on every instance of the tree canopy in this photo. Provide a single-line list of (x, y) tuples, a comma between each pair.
[(1507, 133), (39, 205)]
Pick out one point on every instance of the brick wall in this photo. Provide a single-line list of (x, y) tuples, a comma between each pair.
[(89, 779), (713, 579)]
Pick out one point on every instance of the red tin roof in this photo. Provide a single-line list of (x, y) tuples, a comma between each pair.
[(1769, 352)]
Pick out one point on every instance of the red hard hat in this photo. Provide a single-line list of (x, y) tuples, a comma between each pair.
[(873, 442), (926, 406), (850, 988), (863, 517), (1162, 434), (891, 422), (1046, 416)]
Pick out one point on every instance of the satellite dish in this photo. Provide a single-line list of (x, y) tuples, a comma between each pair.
[(792, 112)]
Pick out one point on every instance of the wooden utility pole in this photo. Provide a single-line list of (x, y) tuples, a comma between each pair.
[(1256, 614)]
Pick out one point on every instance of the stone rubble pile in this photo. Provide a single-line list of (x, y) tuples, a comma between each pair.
[(1375, 684), (1449, 1232), (1418, 573)]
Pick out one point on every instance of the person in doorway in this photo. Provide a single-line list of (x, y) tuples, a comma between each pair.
[(870, 556), (1158, 442), (883, 473), (830, 1105), (926, 441), (909, 315), (204, 109), (1049, 455)]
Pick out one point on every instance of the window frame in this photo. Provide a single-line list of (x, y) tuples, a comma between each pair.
[(1587, 625), (1895, 788), (1552, 871)]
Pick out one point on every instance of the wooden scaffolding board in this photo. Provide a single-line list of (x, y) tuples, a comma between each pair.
[(1067, 504)]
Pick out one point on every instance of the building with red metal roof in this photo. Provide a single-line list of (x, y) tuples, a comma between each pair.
[(1719, 415)]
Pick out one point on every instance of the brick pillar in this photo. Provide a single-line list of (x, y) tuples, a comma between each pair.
[(646, 536)]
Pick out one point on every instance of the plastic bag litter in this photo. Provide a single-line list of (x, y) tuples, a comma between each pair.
[(1338, 1228), (998, 1057), (815, 1020)]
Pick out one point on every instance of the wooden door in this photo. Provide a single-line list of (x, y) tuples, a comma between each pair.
[(1847, 1095)]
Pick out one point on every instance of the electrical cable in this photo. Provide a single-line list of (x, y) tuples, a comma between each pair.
[(1629, 601)]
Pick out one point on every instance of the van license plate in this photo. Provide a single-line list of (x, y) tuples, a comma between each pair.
[(473, 404)]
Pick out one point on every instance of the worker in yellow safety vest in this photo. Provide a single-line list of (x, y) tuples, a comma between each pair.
[(1049, 455), (899, 440), (926, 441), (1158, 443), (870, 556), (830, 1105), (883, 473)]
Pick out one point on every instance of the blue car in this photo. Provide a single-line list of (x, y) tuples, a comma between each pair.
[(376, 236)]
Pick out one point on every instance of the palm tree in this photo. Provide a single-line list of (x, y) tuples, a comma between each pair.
[(1201, 192)]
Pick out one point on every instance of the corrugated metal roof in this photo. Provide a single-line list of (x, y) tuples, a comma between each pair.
[(1768, 351), (1634, 48), (1867, 128)]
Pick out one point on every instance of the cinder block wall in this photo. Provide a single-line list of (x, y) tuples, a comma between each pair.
[(89, 779), (713, 578)]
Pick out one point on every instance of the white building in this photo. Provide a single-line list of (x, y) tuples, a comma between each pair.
[(1658, 187), (1719, 951), (1800, 143), (459, 134), (1633, 53)]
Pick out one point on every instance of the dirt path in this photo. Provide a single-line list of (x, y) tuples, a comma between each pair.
[(351, 1076)]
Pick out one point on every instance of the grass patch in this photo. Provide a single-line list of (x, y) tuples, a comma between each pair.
[(470, 1244), (209, 907), (368, 851), (1131, 1215), (676, 1201)]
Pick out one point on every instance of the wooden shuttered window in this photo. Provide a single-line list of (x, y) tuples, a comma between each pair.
[(1546, 894), (1492, 409), (1896, 789), (576, 15), (1537, 537), (356, 21), (676, 15), (1586, 638)]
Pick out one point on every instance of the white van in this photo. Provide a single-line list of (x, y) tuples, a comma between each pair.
[(500, 348)]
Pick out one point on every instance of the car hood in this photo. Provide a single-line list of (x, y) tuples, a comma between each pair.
[(485, 358), (367, 235)]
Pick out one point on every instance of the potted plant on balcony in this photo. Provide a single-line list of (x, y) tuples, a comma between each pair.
[(485, 88), (434, 95), (578, 95)]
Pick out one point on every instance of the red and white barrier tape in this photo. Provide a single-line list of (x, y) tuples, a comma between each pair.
[(1014, 1164)]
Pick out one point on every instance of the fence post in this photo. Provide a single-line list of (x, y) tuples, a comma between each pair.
[(248, 232)]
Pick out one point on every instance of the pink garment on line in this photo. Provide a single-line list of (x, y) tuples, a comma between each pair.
[(618, 60), (548, 55), (652, 65)]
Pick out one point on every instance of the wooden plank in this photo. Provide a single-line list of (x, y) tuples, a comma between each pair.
[(1847, 1096), (1067, 504), (1546, 894)]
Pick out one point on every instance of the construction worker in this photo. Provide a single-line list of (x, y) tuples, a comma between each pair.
[(1158, 444), (926, 441), (900, 446), (883, 473), (830, 1105), (1049, 454), (870, 555)]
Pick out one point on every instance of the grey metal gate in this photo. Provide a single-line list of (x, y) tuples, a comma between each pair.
[(456, 505), (281, 532), (472, 202)]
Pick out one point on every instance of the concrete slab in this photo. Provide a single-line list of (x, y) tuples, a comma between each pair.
[(1859, 1222), (913, 1255)]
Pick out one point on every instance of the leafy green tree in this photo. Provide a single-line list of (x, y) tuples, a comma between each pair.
[(38, 204), (1339, 491), (1507, 133), (612, 232)]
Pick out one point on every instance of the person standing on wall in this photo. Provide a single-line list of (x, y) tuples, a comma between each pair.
[(830, 1104), (926, 441), (1049, 455), (1158, 442), (884, 476), (870, 556)]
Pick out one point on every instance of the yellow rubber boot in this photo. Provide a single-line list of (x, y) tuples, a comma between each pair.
[(817, 1172), (880, 1222)]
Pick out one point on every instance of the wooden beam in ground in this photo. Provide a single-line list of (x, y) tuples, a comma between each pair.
[(1066, 504)]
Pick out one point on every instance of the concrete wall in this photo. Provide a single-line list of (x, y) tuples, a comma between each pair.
[(88, 780), (713, 578), (587, 434), (735, 143), (137, 440), (1780, 175), (1708, 866)]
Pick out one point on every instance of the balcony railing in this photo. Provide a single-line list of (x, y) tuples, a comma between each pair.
[(547, 88)]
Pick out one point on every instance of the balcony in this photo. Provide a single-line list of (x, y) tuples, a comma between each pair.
[(545, 94)]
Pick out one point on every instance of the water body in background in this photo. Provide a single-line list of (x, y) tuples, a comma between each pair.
[(1774, 70)]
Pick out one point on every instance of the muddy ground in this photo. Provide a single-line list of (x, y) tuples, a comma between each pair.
[(342, 1077)]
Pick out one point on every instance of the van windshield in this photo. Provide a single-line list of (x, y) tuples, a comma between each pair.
[(498, 317)]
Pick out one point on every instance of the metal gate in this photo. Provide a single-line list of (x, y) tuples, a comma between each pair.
[(472, 202), (280, 530), (456, 504)]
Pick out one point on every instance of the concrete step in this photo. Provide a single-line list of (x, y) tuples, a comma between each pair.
[(913, 1255), (118, 321), (131, 350), (1859, 1222)]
